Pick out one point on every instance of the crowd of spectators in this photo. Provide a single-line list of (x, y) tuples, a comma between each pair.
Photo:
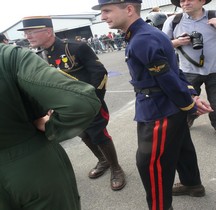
[(107, 42)]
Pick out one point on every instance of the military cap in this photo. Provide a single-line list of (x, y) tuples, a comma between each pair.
[(3, 37), (177, 2), (34, 22), (105, 2)]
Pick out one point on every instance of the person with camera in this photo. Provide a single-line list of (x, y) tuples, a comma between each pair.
[(194, 38)]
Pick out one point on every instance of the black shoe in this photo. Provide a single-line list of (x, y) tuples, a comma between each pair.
[(194, 191), (171, 208), (99, 169)]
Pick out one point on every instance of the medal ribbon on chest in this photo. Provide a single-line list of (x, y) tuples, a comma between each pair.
[(64, 59), (57, 62)]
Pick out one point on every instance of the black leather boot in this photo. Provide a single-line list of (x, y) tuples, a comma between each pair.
[(117, 180), (102, 164)]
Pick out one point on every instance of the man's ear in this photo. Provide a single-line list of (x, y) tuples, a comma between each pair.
[(50, 31), (130, 9)]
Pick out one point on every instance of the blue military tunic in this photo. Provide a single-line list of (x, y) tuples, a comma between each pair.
[(153, 65)]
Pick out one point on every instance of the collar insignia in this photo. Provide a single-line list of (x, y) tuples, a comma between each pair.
[(128, 35)]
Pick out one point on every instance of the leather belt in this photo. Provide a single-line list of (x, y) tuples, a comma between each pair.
[(148, 91)]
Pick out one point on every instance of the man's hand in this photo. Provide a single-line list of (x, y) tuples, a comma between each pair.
[(40, 123), (212, 22), (203, 107), (184, 39)]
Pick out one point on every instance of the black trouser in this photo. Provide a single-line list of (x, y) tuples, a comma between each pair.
[(97, 131), (210, 86), (164, 146)]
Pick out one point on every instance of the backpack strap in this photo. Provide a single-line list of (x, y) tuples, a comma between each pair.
[(176, 20), (211, 14), (178, 17)]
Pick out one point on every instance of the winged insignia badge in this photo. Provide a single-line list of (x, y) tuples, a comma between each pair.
[(157, 68)]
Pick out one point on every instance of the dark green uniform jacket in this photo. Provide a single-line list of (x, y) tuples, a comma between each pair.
[(27, 84)]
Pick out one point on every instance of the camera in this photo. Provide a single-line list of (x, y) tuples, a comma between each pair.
[(196, 40)]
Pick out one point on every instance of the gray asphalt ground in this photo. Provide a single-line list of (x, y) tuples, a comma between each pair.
[(97, 194)]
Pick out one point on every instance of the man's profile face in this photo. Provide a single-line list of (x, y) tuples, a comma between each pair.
[(37, 37), (114, 16)]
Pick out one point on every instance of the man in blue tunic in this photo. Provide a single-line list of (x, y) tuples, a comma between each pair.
[(163, 99)]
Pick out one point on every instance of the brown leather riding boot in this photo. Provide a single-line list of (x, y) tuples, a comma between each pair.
[(117, 180), (102, 165)]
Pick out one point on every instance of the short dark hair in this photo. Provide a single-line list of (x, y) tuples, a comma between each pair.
[(137, 6), (2, 38)]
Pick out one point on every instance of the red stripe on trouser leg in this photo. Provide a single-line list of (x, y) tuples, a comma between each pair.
[(156, 161), (152, 163), (104, 114), (107, 134), (160, 179)]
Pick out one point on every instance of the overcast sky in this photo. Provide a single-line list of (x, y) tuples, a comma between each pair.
[(13, 11)]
